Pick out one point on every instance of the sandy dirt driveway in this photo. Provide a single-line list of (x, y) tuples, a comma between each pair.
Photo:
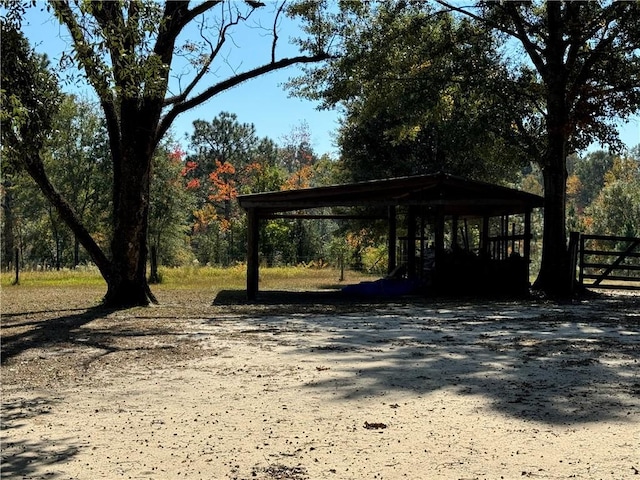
[(318, 389)]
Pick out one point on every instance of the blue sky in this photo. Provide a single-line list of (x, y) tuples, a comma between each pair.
[(261, 101)]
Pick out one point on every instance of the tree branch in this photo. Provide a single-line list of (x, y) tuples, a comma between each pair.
[(275, 31), (95, 71), (532, 50), (195, 11), (595, 54), (181, 107), (519, 33), (222, 36), (36, 170), (87, 57)]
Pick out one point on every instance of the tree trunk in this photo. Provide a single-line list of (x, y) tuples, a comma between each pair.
[(76, 252), (56, 239), (127, 285), (16, 280), (154, 277), (7, 228), (554, 276)]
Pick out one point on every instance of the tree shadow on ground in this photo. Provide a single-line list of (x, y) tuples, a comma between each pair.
[(46, 348), (321, 301), (548, 362), (24, 458), (46, 332), (91, 330)]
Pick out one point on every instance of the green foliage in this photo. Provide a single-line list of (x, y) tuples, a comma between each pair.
[(225, 162), (170, 204), (29, 98), (584, 56), (616, 209), (276, 246), (374, 259), (223, 140), (75, 157), (77, 163), (229, 159), (589, 172), (422, 92)]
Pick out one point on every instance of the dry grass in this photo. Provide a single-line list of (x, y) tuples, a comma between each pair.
[(195, 278)]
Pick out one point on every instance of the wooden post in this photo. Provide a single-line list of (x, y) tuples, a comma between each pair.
[(526, 247), (253, 261), (393, 234), (439, 233), (465, 236), (422, 245), (439, 275), (485, 236), (574, 245), (16, 281), (581, 260), (454, 232), (411, 243)]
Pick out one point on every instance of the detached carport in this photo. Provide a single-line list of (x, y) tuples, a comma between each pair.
[(443, 203)]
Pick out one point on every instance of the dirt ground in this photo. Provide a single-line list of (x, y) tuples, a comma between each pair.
[(310, 386)]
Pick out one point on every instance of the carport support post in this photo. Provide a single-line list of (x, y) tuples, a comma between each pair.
[(392, 239), (253, 263), (526, 247), (484, 244), (411, 243)]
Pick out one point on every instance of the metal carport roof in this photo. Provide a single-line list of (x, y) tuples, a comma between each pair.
[(456, 196)]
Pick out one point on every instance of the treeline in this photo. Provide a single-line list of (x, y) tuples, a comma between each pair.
[(603, 192), (194, 218)]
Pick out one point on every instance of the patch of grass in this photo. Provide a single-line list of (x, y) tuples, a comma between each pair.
[(197, 278), (81, 277), (303, 278), (274, 278)]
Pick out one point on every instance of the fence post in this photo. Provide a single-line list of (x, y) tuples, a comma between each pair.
[(582, 244), (16, 281), (574, 242)]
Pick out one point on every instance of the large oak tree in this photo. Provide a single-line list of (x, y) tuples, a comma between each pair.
[(422, 91), (126, 50), (581, 61)]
